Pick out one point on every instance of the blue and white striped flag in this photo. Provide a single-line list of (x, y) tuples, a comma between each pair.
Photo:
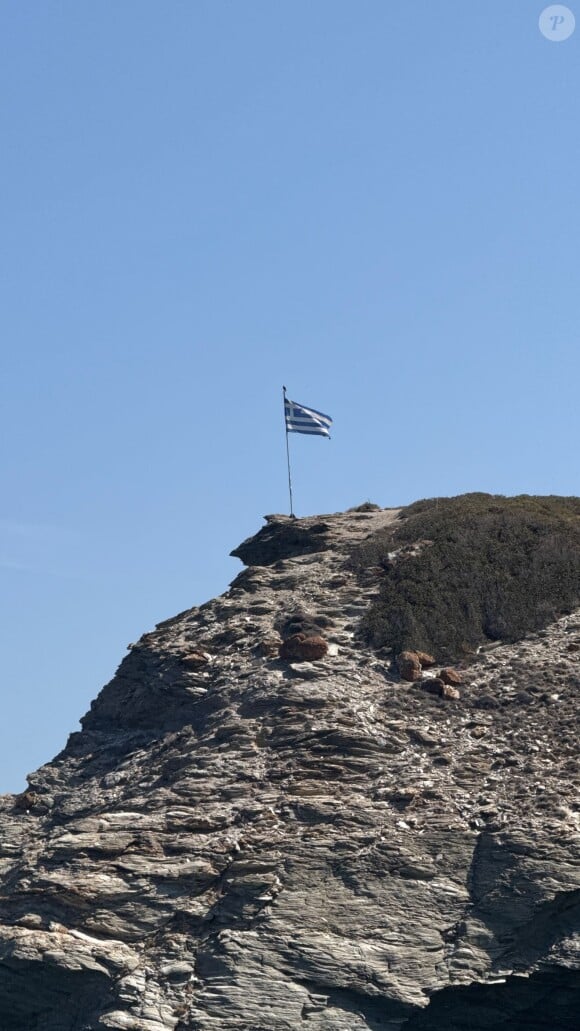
[(305, 420)]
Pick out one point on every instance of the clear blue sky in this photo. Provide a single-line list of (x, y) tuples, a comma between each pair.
[(374, 203)]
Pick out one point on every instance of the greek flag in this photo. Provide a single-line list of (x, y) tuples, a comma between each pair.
[(300, 419)]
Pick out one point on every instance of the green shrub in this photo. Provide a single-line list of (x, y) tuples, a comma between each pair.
[(473, 568)]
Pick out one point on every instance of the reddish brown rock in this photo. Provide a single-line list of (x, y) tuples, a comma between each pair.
[(300, 648), (451, 677), (426, 660), (409, 666), (437, 686)]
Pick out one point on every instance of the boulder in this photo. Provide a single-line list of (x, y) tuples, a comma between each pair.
[(409, 666), (300, 648), (438, 687), (451, 676), (426, 660)]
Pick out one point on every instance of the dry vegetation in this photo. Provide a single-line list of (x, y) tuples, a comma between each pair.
[(460, 571)]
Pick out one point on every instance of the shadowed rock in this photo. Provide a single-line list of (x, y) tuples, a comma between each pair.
[(281, 538)]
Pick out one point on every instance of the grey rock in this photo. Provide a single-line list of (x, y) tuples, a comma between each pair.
[(254, 845)]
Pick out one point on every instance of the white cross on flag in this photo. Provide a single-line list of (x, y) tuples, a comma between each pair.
[(300, 419)]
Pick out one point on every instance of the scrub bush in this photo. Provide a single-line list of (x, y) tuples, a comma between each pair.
[(457, 572)]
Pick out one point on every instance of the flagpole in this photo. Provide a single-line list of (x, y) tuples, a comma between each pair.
[(288, 455)]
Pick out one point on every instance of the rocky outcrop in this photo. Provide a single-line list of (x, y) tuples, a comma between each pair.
[(237, 842), (284, 537)]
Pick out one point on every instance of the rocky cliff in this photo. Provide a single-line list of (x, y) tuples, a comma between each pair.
[(251, 840)]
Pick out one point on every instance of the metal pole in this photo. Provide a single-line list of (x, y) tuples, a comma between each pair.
[(288, 456)]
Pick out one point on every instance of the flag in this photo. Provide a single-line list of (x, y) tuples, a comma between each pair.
[(300, 419)]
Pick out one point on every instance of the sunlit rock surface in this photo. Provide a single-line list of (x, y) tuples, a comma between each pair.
[(237, 841)]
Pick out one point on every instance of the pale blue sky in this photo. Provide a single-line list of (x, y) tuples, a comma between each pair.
[(372, 202)]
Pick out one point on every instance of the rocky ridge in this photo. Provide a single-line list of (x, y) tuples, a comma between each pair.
[(245, 842)]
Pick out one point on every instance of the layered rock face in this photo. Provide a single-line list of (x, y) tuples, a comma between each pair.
[(240, 840)]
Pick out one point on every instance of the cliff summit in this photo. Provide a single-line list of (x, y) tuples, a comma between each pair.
[(342, 796)]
